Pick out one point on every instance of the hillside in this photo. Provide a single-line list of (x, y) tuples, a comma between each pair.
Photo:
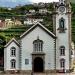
[(73, 22), (73, 1), (16, 31), (21, 10)]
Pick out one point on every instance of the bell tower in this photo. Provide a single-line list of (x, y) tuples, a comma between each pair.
[(61, 1), (62, 30)]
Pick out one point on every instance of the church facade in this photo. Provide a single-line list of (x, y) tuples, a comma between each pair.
[(39, 49)]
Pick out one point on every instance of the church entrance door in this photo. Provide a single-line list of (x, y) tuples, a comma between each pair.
[(38, 64)]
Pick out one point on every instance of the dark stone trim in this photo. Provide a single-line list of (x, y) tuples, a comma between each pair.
[(37, 40), (29, 72), (41, 28), (69, 27), (55, 52), (54, 24), (20, 59), (68, 13), (38, 53), (62, 30), (11, 42), (65, 5), (35, 56)]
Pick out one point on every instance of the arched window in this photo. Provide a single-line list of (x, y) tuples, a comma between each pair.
[(62, 50), (71, 52), (13, 63), (38, 45), (61, 23), (13, 51), (62, 63)]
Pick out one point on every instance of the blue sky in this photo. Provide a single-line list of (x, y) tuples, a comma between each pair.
[(13, 3)]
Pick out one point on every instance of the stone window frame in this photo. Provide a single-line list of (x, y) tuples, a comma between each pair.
[(62, 28), (38, 45), (26, 61), (61, 20), (13, 63), (13, 51), (62, 63), (62, 50)]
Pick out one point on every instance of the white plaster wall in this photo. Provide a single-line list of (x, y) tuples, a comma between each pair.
[(5, 58), (8, 57), (62, 39), (27, 49)]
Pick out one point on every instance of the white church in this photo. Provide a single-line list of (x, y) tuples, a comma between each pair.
[(39, 49)]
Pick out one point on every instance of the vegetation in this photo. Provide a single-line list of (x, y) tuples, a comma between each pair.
[(19, 12), (2, 43), (73, 22)]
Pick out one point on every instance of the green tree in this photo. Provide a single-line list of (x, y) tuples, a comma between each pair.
[(2, 43)]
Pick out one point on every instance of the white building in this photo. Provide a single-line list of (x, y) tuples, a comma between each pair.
[(32, 11), (40, 50), (9, 23), (42, 11), (31, 21)]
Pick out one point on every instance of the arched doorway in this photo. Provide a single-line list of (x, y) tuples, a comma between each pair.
[(38, 65)]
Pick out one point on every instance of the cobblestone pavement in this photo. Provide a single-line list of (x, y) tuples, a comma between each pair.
[(44, 74)]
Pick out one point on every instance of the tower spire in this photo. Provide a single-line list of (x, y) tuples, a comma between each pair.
[(61, 1), (64, 1)]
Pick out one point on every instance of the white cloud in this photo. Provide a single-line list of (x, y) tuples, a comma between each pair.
[(10, 0), (45, 1), (13, 0)]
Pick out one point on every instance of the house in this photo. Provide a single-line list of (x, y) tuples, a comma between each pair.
[(17, 22), (39, 49), (31, 21), (43, 11), (9, 23), (2, 24), (31, 11)]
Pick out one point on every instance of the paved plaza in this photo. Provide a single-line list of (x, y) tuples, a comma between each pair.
[(44, 74)]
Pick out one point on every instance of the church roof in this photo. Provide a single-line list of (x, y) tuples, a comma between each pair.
[(40, 25), (12, 40)]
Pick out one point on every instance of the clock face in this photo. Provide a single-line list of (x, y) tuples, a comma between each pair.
[(62, 9)]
